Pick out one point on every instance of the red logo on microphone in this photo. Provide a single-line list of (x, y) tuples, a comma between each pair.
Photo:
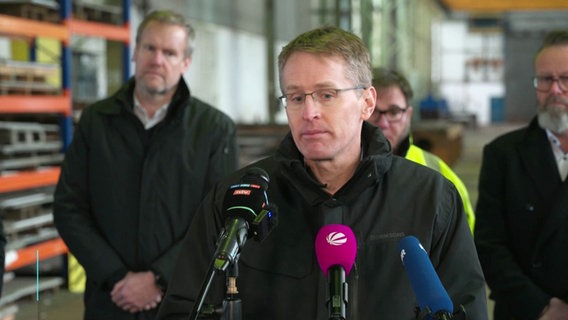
[(241, 192)]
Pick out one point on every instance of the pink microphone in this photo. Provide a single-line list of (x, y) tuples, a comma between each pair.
[(336, 248)]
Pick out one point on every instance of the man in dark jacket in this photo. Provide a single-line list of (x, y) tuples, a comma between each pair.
[(522, 227), (332, 168), (139, 164), (393, 115)]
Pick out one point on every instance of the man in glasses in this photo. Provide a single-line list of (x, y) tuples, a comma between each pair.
[(393, 114), (522, 214), (332, 168)]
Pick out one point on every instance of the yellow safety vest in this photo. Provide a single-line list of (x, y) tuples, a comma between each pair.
[(430, 160)]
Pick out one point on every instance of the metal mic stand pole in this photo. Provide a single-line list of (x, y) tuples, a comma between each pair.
[(203, 292), (232, 306), (211, 311), (426, 313)]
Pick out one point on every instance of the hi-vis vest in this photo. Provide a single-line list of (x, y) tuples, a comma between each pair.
[(432, 161)]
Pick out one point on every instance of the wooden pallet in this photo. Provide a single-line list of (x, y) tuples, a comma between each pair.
[(14, 133), (29, 145), (44, 10), (98, 12), (27, 78), (27, 287), (27, 217), (28, 88), (33, 161), (31, 234)]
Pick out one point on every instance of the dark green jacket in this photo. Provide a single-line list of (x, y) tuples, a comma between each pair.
[(127, 195)]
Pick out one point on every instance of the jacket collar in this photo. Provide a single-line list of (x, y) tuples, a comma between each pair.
[(376, 161), (542, 168), (535, 143), (124, 98)]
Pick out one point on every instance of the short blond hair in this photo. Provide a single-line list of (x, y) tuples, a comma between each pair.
[(333, 41), (172, 18)]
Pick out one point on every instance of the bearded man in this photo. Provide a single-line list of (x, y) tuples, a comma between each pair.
[(521, 229)]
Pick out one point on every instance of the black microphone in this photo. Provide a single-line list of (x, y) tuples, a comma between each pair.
[(248, 215), (433, 299)]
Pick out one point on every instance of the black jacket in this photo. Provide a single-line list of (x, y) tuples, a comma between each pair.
[(522, 223), (387, 198), (126, 195)]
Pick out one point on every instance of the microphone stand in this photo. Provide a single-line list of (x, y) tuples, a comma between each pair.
[(426, 314), (231, 308), (210, 311), (337, 293)]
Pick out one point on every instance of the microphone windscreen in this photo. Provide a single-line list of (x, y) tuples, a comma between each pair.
[(336, 245), (427, 286), (248, 198), (256, 175)]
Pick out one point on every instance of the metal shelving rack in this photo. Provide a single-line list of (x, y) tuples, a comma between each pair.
[(14, 182)]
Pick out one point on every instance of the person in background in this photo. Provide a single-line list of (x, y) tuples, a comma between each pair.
[(139, 164), (333, 168), (521, 229), (393, 114)]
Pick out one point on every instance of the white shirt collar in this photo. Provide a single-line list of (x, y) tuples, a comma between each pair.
[(141, 113), (559, 155)]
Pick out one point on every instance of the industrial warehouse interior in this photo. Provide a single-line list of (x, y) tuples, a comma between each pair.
[(470, 64)]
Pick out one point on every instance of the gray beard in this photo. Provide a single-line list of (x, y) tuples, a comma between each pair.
[(556, 122)]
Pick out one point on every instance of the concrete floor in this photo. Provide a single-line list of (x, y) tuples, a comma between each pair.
[(467, 167), (57, 304), (62, 305)]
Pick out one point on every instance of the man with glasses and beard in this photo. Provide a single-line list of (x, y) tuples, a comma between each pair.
[(521, 228), (393, 115)]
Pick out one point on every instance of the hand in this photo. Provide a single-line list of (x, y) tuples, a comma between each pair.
[(556, 310), (136, 292)]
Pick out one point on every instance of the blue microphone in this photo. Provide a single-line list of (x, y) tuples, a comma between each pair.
[(433, 300)]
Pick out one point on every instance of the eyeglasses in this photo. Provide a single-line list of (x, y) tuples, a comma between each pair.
[(393, 114), (325, 97), (544, 83)]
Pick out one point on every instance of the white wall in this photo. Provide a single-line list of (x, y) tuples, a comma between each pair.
[(98, 48), (472, 98), (229, 71), (469, 68)]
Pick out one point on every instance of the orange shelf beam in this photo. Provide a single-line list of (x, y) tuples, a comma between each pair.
[(29, 28), (29, 179), (44, 250), (99, 30), (35, 104)]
